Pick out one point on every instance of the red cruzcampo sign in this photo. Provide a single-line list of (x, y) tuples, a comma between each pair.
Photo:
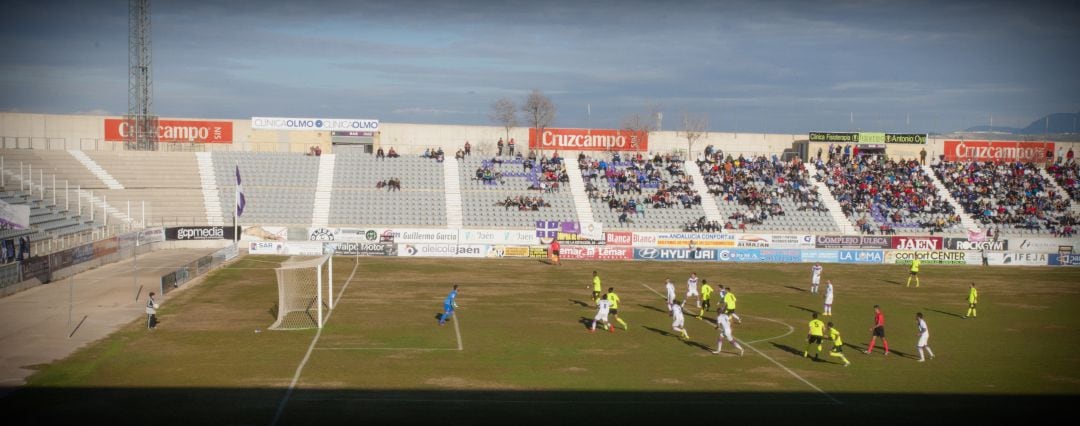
[(997, 151), (176, 131), (589, 140)]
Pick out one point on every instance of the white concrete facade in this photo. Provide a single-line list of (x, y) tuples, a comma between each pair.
[(87, 132)]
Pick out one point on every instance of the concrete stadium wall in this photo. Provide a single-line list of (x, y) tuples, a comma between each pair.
[(87, 132)]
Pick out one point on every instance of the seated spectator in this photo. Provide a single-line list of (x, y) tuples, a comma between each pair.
[(392, 153), (426, 154), (379, 154), (460, 155)]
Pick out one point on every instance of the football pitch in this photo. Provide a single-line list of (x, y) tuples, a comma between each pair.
[(519, 350)]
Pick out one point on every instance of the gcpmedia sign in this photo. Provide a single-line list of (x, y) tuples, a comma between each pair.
[(589, 140), (116, 130), (997, 151)]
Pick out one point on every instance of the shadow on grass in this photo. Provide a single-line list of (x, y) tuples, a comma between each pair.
[(945, 313), (663, 311), (579, 303), (796, 288), (789, 349), (892, 282), (802, 308), (203, 405)]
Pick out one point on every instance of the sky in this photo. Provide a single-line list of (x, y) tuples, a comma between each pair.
[(748, 66)]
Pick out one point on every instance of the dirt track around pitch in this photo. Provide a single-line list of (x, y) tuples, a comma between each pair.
[(34, 327)]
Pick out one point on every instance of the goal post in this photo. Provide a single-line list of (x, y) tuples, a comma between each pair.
[(305, 292)]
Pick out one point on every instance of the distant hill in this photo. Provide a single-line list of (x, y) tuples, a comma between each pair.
[(1057, 123)]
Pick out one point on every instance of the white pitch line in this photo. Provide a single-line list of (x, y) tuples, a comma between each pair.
[(790, 330), (458, 332), (834, 400), (303, 362), (387, 349)]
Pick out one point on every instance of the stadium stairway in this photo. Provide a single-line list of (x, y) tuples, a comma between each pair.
[(965, 219), (829, 200), (581, 197), (96, 169), (1073, 205), (452, 183), (708, 202), (209, 189), (324, 186)]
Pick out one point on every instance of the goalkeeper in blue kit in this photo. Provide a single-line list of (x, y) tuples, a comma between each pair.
[(449, 304)]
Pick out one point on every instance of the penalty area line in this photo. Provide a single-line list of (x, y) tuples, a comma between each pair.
[(778, 364)]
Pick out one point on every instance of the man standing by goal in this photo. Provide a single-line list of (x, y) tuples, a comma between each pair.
[(449, 305)]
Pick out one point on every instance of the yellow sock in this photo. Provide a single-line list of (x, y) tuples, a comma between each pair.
[(908, 282), (839, 355), (916, 282), (819, 348), (974, 313), (625, 327)]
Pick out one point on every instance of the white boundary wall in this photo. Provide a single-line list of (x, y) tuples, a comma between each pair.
[(87, 132)]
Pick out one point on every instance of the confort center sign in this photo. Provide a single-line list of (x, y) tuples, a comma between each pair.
[(329, 124)]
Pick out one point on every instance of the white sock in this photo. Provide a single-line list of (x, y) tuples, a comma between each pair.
[(736, 317), (594, 325), (736, 345), (719, 345), (930, 352), (921, 355)]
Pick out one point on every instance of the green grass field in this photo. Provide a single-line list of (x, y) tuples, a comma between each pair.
[(527, 357)]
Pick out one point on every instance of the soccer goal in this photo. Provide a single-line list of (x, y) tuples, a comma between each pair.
[(305, 293)]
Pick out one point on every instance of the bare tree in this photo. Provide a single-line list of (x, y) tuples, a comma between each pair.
[(637, 123), (693, 128), (539, 111), (504, 112)]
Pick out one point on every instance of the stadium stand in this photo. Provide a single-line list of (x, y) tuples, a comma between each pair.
[(887, 196), (1067, 175), (279, 187), (638, 193), (487, 185), (762, 194), (167, 182), (359, 199), (1013, 197)]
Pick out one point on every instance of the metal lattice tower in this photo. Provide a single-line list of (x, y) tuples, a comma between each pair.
[(141, 132)]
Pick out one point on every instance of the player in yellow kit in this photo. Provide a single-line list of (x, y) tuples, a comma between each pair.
[(972, 299), (816, 334), (706, 296), (614, 310), (914, 273), (838, 344), (596, 289)]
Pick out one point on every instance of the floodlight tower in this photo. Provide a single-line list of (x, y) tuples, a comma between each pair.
[(141, 132)]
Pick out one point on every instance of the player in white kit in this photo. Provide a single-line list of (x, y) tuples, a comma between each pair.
[(678, 324), (603, 306), (828, 298), (924, 337), (724, 323), (670, 295), (692, 289), (815, 279)]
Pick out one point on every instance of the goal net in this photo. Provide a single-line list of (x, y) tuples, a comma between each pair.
[(305, 293)]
